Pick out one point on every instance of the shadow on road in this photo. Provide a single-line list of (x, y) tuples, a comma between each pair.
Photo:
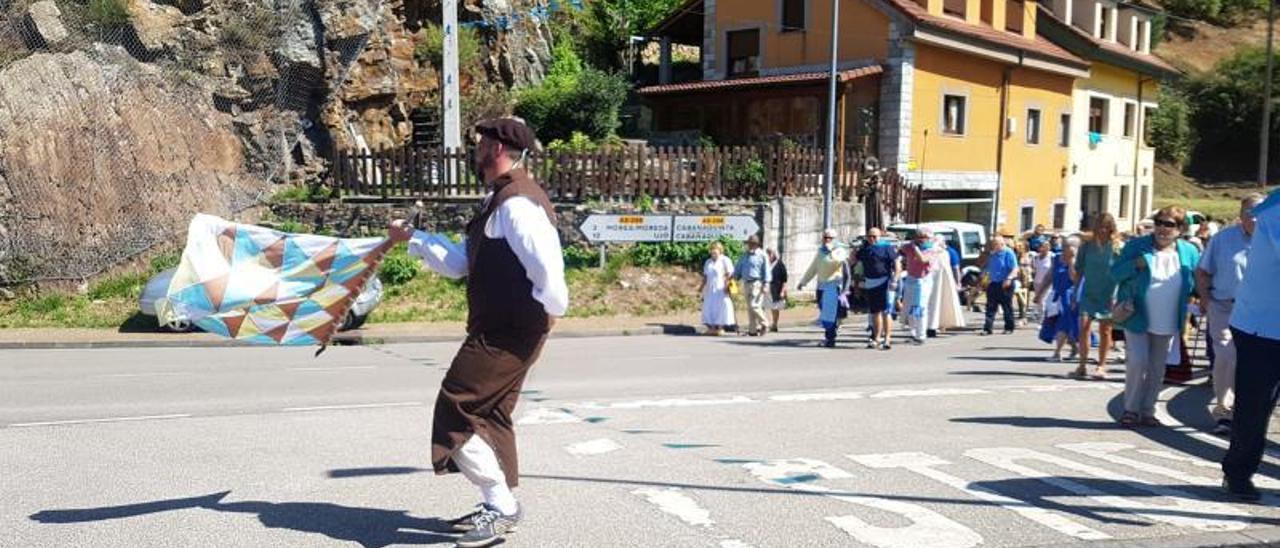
[(368, 527), (1039, 422), (374, 471)]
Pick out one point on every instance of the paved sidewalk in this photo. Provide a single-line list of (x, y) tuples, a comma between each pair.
[(686, 323)]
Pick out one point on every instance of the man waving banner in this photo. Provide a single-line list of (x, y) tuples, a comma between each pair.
[(264, 286)]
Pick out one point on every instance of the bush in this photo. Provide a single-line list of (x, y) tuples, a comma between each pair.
[(398, 268), (108, 13), (164, 262), (749, 175), (581, 257), (1171, 131), (430, 48), (573, 98)]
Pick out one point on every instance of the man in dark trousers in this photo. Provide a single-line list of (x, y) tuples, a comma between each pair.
[(515, 289), (1255, 331)]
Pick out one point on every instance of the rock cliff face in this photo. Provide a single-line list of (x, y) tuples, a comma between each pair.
[(113, 135)]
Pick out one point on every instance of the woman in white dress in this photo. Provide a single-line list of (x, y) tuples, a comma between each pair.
[(717, 305), (945, 310)]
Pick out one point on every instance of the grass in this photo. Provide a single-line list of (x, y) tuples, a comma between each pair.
[(1220, 202)]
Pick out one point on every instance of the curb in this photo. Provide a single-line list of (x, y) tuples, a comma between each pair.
[(355, 339)]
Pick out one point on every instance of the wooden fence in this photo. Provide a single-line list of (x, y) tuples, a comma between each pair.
[(756, 172)]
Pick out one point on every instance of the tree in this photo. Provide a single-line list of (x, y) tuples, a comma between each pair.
[(606, 27), (1226, 110), (573, 98), (1171, 131)]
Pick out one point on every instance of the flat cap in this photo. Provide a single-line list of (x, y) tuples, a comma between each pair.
[(510, 132)]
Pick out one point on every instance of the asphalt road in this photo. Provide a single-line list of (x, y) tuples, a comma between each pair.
[(626, 441)]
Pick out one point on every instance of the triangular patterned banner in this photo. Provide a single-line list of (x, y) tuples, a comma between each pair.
[(267, 287)]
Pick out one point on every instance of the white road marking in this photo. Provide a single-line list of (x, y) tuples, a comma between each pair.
[(924, 465), (92, 421), (547, 415), (1106, 451), (651, 358), (138, 375), (671, 402), (821, 396), (1259, 479), (352, 406), (928, 392), (1183, 502), (928, 528), (672, 501), (350, 368), (593, 447), (733, 543)]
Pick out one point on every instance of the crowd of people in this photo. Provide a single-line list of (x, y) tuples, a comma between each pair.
[(1138, 298)]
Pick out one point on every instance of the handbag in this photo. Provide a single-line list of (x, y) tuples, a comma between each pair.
[(733, 287)]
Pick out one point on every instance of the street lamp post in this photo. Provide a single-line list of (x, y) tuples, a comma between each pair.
[(1264, 146), (831, 116)]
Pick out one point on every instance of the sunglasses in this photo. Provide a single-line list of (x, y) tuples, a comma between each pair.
[(1166, 223)]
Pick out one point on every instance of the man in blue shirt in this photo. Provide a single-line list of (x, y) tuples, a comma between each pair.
[(880, 268), (1255, 330), (1002, 268), (1220, 271), (753, 269)]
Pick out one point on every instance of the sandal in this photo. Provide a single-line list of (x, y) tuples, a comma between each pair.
[(1130, 419), (1077, 373), (1099, 374)]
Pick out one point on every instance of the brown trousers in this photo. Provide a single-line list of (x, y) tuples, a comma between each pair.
[(478, 395)]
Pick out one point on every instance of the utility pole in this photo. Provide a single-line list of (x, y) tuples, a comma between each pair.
[(827, 188), (1264, 146), (452, 108)]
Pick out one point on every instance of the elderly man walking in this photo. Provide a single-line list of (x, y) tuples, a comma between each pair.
[(1255, 331), (1001, 269), (754, 272), (1218, 276)]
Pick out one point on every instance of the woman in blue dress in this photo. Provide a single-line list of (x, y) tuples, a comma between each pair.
[(1063, 327)]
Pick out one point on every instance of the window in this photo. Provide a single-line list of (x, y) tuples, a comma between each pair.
[(1104, 23), (1033, 126), (1064, 133), (953, 114), (972, 244), (1143, 201), (793, 15), (1027, 218), (1147, 114), (744, 53), (1144, 36), (1124, 202), (1130, 118), (1098, 112), (1059, 216), (1015, 10)]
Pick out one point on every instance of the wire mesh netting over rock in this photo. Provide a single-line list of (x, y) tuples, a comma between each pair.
[(121, 119)]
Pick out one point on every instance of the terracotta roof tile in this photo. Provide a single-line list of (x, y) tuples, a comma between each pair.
[(759, 81), (1039, 46)]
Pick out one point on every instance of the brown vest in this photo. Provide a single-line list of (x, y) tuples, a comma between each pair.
[(499, 293)]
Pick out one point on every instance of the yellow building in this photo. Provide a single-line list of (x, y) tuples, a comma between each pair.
[(1112, 161), (960, 95)]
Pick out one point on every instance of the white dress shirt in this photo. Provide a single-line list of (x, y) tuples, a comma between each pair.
[(532, 238)]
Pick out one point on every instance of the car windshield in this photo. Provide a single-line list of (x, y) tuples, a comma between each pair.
[(972, 244)]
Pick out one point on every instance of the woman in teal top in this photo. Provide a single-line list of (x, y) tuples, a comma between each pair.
[(1155, 273), (1093, 270)]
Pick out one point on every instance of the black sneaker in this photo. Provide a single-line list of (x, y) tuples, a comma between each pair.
[(932, 333), (1241, 490), (488, 527), (1223, 428)]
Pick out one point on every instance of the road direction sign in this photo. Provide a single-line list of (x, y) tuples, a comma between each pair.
[(703, 228), (627, 228)]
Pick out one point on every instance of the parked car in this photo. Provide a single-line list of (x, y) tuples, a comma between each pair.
[(158, 286), (968, 238)]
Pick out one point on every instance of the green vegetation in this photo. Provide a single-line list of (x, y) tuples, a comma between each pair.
[(1171, 130), (108, 14), (110, 301), (293, 194), (1218, 12), (1224, 109), (750, 175), (255, 31), (601, 30), (1220, 202), (573, 98), (398, 268), (430, 48)]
